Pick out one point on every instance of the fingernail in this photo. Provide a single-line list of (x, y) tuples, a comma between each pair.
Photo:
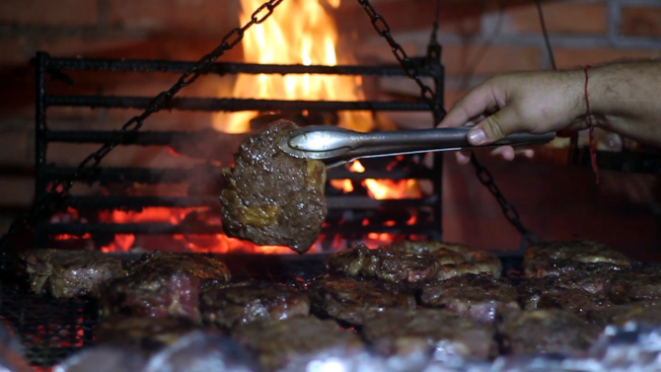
[(477, 136)]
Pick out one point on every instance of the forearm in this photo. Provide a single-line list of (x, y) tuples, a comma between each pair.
[(625, 98)]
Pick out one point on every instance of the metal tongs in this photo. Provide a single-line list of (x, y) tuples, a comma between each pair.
[(336, 146)]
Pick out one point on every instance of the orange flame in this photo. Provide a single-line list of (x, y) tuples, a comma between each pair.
[(298, 32), (381, 189)]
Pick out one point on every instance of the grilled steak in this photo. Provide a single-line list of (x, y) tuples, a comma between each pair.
[(562, 257), (67, 274), (635, 285), (547, 331), (143, 335), (413, 262), (296, 340), (232, 304), (478, 297), (272, 198), (404, 332), (164, 284), (645, 312), (558, 292), (353, 301)]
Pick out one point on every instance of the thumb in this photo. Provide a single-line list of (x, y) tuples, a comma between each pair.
[(493, 127)]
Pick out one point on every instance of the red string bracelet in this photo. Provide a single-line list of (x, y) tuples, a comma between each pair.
[(593, 149)]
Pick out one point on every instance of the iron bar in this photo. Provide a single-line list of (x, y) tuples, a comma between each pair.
[(200, 228), (223, 68), (140, 175), (181, 175), (134, 202), (232, 104), (146, 138)]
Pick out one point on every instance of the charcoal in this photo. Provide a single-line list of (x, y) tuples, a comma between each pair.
[(66, 274), (272, 198), (237, 303), (352, 301)]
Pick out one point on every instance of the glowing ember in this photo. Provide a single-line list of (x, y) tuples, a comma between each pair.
[(298, 32), (381, 189)]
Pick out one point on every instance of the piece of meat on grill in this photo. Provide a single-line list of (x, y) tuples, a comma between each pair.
[(643, 312), (164, 284), (413, 262), (635, 286), (237, 303), (67, 274), (557, 292), (406, 332), (272, 198), (143, 335), (352, 301), (549, 331), (562, 257), (479, 297), (296, 340)]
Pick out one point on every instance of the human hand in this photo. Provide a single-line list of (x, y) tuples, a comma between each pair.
[(533, 102)]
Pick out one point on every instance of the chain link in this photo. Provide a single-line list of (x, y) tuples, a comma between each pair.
[(49, 200), (510, 213), (484, 176), (383, 29)]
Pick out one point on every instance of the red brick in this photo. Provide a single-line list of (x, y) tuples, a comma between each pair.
[(49, 12), (641, 21), (573, 57), (175, 15), (496, 59), (560, 17)]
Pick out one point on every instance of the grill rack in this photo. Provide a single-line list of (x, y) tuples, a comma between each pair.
[(429, 67), (51, 329)]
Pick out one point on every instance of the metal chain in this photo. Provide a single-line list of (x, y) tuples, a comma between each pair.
[(49, 200), (483, 175), (510, 213), (411, 70)]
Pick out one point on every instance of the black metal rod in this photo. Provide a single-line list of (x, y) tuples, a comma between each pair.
[(167, 229), (136, 202), (130, 228), (346, 230), (232, 104), (41, 144), (146, 138), (222, 68), (180, 175), (141, 175)]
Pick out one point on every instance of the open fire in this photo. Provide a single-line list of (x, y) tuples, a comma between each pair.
[(300, 33)]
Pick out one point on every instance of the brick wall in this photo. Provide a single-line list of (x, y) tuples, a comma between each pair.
[(554, 200)]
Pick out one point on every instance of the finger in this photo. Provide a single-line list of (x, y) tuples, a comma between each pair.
[(526, 153), (463, 157), (504, 152), (475, 103), (494, 127)]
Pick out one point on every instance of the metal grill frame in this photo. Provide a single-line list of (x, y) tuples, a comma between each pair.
[(44, 173)]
